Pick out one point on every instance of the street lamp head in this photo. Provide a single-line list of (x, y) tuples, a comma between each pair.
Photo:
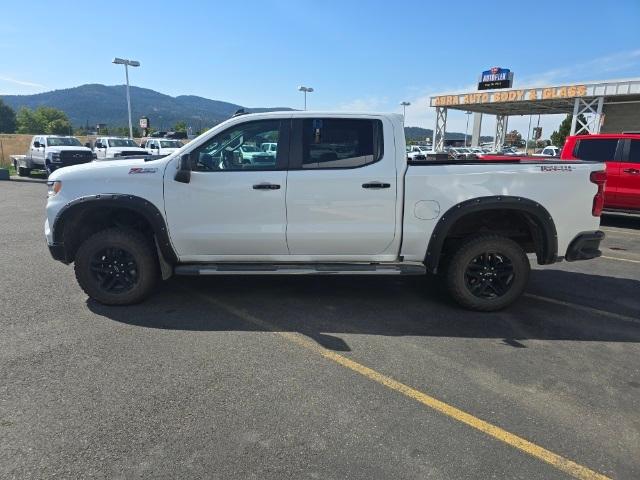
[(124, 61), (302, 88), (405, 104)]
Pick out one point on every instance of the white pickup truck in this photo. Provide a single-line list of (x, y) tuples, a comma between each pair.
[(50, 152), (340, 197), (114, 147)]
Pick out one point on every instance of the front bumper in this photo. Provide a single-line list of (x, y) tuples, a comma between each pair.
[(58, 252), (585, 246)]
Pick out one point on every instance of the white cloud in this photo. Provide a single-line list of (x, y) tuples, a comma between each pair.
[(22, 83), (615, 62)]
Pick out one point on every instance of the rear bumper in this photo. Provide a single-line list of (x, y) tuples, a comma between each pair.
[(585, 246)]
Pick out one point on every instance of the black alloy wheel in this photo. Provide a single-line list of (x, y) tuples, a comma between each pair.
[(115, 270), (486, 273), (489, 275)]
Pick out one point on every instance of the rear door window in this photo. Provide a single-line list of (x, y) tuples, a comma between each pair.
[(634, 151), (340, 142), (598, 150)]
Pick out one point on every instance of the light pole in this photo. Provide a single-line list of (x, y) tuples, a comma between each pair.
[(404, 108), (127, 64), (306, 90), (466, 130)]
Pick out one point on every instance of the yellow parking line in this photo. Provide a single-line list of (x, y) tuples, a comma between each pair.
[(561, 463), (584, 308), (620, 259)]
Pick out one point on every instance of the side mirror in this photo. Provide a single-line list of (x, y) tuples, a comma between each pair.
[(155, 147), (183, 175), (36, 144), (88, 144)]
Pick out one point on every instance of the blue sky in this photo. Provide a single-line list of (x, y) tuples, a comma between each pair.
[(362, 55)]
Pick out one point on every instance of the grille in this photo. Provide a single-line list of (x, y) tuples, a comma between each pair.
[(74, 157), (128, 154)]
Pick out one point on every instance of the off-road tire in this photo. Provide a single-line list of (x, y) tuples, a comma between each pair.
[(458, 277), (139, 248)]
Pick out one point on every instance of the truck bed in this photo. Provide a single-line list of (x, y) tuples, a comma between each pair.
[(562, 188)]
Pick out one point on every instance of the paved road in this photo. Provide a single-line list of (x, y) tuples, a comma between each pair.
[(273, 378)]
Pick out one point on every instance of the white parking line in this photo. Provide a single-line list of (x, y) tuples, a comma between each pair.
[(621, 232), (620, 259), (584, 308)]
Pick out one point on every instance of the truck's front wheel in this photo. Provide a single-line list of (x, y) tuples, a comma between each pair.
[(117, 267), (487, 273), (22, 171)]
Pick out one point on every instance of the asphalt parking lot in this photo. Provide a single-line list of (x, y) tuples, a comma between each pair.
[(316, 377)]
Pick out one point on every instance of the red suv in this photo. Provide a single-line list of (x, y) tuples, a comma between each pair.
[(621, 153)]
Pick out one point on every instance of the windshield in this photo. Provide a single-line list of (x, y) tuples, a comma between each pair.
[(63, 142), (121, 142), (170, 144)]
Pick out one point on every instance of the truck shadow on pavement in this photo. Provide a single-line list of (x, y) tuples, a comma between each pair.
[(324, 307)]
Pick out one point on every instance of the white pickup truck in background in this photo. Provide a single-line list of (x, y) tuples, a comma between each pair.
[(339, 197), (113, 147), (162, 146), (50, 152)]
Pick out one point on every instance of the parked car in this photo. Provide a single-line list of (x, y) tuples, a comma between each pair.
[(253, 154), (270, 148), (417, 152), (50, 152), (176, 135), (550, 151), (366, 211), (161, 146), (113, 147), (621, 153)]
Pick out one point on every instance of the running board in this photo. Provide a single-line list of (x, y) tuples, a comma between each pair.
[(301, 269)]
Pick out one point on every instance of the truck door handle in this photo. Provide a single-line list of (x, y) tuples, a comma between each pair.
[(266, 186), (376, 185), (632, 171)]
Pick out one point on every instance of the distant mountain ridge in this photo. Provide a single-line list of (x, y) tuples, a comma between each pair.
[(95, 103)]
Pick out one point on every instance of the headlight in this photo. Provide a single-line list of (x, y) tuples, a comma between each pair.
[(53, 188), (55, 157)]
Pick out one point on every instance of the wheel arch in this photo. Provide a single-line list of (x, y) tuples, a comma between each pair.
[(71, 224), (539, 223)]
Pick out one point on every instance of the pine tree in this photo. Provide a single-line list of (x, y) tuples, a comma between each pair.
[(559, 136)]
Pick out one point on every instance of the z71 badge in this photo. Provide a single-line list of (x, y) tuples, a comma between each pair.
[(556, 168), (142, 170)]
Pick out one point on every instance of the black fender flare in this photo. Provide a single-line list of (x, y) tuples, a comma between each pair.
[(133, 203), (547, 242)]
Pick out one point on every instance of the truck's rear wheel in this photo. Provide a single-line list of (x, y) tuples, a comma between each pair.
[(487, 273), (116, 267)]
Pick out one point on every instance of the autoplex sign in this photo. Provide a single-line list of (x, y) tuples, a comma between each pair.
[(495, 77), (530, 94)]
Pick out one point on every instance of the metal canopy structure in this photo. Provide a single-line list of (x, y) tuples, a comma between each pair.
[(587, 99)]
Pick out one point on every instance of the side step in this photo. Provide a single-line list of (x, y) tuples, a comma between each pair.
[(300, 269)]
